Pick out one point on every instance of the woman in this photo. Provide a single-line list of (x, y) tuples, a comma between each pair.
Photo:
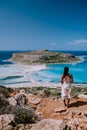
[(66, 81)]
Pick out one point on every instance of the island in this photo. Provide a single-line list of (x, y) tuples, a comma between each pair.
[(43, 57)]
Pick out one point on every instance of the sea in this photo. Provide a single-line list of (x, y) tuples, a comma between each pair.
[(18, 74)]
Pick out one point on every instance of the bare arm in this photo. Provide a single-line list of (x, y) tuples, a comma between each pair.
[(61, 79), (71, 78)]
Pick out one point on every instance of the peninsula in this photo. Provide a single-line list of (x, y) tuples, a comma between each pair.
[(43, 57)]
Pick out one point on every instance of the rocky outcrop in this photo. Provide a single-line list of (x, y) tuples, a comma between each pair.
[(5, 122), (43, 56), (50, 124)]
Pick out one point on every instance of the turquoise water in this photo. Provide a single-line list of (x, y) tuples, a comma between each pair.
[(11, 73), (54, 71)]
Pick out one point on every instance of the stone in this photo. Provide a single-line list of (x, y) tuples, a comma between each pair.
[(76, 113), (60, 109), (19, 127), (21, 99), (5, 120), (49, 124), (9, 127), (85, 113), (23, 127), (12, 101), (82, 96), (3, 101), (34, 101)]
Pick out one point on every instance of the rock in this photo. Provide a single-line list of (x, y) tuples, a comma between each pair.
[(82, 96), (85, 113), (83, 126), (12, 101), (40, 113), (5, 91), (72, 124), (56, 114), (5, 120), (3, 102), (21, 99), (9, 127), (22, 114), (60, 109), (76, 113), (34, 101), (19, 127), (49, 124), (23, 127), (78, 124)]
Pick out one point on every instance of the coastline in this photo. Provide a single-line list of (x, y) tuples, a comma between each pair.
[(29, 69), (48, 85)]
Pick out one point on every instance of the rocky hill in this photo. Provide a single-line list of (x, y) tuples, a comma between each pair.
[(42, 108), (43, 57)]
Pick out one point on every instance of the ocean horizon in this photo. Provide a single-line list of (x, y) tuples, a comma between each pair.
[(14, 74)]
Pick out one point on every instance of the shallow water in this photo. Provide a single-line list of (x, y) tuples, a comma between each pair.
[(18, 74)]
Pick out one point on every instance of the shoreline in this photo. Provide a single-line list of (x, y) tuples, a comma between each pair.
[(27, 71), (48, 85)]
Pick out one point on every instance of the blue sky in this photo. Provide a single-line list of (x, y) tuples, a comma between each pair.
[(43, 24)]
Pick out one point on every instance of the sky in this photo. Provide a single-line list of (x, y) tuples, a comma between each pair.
[(43, 24)]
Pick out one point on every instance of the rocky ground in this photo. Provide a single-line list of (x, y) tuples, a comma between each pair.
[(42, 109)]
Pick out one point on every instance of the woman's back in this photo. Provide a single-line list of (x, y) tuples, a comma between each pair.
[(67, 79)]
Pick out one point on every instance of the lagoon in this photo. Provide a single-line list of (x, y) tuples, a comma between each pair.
[(17, 74)]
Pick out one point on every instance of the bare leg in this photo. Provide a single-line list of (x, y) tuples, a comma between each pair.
[(67, 104), (64, 102)]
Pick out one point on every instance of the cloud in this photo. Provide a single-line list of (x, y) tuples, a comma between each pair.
[(78, 42), (53, 44), (81, 41)]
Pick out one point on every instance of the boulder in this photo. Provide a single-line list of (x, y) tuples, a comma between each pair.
[(50, 124), (12, 101), (34, 101), (5, 121), (82, 96), (21, 99)]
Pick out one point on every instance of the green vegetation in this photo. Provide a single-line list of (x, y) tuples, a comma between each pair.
[(23, 114), (39, 88), (54, 92), (78, 90)]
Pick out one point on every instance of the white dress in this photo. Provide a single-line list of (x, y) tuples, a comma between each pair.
[(66, 89)]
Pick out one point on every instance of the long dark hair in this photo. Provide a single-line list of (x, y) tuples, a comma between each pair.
[(66, 70)]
